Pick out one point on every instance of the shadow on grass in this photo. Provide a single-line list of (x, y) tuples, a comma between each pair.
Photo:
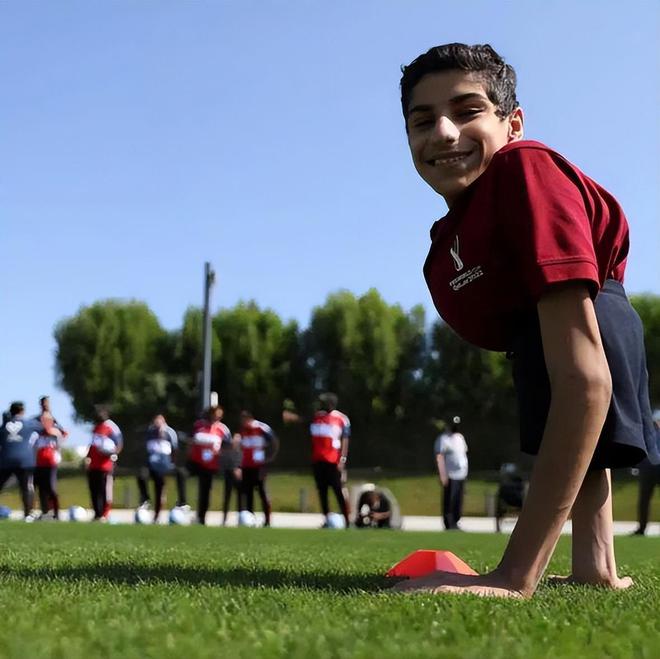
[(135, 575)]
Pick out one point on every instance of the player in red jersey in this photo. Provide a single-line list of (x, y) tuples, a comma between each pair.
[(259, 446), (106, 445), (330, 432), (48, 457), (530, 260), (209, 433)]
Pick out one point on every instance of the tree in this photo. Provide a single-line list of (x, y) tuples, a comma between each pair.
[(368, 351), (110, 353), (255, 359)]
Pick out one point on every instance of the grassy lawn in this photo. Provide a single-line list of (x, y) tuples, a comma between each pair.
[(417, 495), (103, 591)]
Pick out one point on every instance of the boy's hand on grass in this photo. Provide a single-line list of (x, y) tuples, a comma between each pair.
[(438, 583)]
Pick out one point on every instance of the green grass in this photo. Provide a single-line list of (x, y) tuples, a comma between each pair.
[(417, 495), (104, 591)]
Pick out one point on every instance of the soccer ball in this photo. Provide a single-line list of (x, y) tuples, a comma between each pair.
[(178, 516), (77, 514), (142, 516), (5, 512), (246, 518), (336, 521)]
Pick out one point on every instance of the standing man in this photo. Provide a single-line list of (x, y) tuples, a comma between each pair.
[(330, 432), (48, 458), (107, 442), (230, 460), (649, 477), (17, 438), (162, 443), (451, 460), (209, 434), (259, 446)]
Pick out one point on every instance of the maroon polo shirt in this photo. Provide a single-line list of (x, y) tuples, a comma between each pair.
[(531, 220)]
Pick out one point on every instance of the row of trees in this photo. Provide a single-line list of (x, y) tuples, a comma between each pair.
[(395, 376)]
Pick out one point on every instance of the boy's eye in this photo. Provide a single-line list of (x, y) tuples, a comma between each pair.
[(421, 123), (470, 112)]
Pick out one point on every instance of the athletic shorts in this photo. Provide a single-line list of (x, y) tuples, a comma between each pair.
[(628, 435), (326, 474)]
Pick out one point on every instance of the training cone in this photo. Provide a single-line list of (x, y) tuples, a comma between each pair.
[(425, 561)]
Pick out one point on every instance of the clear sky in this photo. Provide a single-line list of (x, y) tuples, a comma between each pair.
[(139, 139)]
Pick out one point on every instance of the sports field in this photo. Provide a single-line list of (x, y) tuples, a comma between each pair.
[(98, 591), (416, 494)]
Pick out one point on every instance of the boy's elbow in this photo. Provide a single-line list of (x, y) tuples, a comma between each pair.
[(590, 386), (598, 389)]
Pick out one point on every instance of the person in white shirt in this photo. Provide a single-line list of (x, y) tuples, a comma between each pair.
[(452, 462)]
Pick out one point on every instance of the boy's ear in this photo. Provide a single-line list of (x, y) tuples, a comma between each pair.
[(516, 125)]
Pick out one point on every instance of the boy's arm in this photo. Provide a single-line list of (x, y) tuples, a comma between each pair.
[(344, 451), (581, 389), (442, 470), (274, 446)]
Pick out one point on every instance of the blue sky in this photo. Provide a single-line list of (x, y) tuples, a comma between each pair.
[(140, 139)]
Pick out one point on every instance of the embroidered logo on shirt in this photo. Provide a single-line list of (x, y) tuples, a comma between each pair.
[(466, 277), (458, 264)]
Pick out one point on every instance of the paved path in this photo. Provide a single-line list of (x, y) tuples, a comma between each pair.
[(410, 523)]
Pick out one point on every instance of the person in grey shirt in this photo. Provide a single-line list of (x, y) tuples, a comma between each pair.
[(452, 463)]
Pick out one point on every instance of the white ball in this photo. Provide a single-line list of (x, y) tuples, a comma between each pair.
[(178, 517), (77, 514), (246, 518), (336, 521), (142, 516)]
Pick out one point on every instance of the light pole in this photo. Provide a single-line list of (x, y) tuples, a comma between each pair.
[(209, 280)]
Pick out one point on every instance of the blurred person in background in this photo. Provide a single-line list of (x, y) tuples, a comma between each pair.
[(230, 463), (209, 434), (105, 446), (373, 510), (48, 457), (259, 446), (452, 463), (17, 438), (649, 477), (330, 432), (161, 447)]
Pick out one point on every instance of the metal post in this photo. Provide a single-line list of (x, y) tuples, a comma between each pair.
[(209, 280)]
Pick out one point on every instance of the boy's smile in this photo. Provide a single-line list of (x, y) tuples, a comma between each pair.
[(454, 130)]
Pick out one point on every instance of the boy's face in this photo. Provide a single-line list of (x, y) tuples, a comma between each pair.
[(453, 130)]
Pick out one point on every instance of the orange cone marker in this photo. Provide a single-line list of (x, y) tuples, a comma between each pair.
[(425, 561)]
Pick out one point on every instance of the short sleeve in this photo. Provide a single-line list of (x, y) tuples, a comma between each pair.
[(542, 204), (115, 434), (346, 430)]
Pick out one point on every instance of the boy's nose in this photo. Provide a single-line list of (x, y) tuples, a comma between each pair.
[(445, 130)]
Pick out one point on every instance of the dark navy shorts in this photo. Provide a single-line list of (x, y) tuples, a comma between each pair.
[(628, 435)]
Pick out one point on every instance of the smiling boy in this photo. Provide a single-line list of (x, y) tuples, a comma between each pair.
[(529, 260)]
